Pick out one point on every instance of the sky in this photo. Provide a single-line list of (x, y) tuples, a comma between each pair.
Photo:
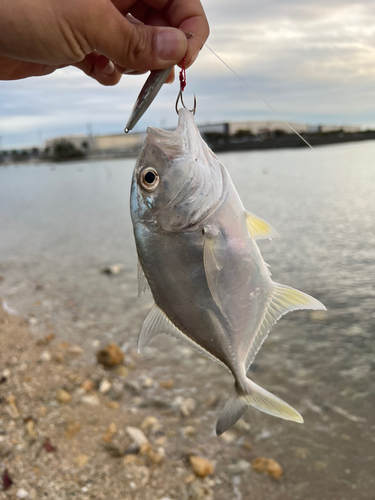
[(312, 61)]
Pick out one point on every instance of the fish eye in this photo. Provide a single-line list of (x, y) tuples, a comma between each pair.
[(149, 179)]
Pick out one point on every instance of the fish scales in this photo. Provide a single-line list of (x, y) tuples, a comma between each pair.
[(197, 248)]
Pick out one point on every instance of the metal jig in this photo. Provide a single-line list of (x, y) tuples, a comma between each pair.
[(180, 98)]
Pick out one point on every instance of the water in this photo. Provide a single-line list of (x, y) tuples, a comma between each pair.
[(60, 225)]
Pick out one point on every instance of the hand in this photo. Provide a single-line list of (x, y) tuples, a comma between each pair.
[(103, 38)]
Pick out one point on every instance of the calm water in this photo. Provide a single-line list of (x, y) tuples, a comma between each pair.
[(59, 225)]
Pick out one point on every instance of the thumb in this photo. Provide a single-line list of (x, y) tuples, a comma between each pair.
[(138, 46)]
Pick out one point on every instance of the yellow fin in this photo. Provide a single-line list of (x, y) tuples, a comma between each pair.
[(259, 228)]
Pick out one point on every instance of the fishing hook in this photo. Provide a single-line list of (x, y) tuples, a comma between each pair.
[(180, 98)]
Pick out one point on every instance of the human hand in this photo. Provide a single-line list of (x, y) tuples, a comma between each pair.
[(103, 38)]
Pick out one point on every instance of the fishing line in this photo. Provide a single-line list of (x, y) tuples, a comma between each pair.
[(270, 107)]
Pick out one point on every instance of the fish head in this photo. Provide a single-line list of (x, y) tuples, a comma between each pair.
[(177, 179)]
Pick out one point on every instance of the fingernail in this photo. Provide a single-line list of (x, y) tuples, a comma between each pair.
[(109, 69), (170, 44)]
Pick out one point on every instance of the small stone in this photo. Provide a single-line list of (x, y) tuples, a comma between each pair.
[(45, 356), (109, 433), (150, 423), (201, 466), (188, 431), (59, 357), (81, 460), (30, 429), (247, 445), (21, 493), (64, 345), (267, 466), (63, 396), (42, 411), (155, 457), (104, 386), (7, 480), (113, 269), (166, 384), (239, 467), (242, 426), (91, 400), (113, 405), (228, 437), (185, 406), (121, 371), (88, 385), (5, 373), (110, 356), (136, 476), (190, 478), (75, 350), (199, 490), (137, 436), (72, 429), (147, 382)]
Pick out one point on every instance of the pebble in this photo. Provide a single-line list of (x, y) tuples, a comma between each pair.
[(239, 467), (113, 405), (104, 386), (166, 384), (45, 356), (75, 350), (147, 382), (113, 269), (185, 406), (188, 431), (151, 423), (136, 475), (199, 490), (88, 385), (201, 466), (63, 396), (72, 429), (137, 436), (110, 356), (267, 466), (30, 429), (91, 400), (228, 437), (21, 493), (81, 460), (121, 371)]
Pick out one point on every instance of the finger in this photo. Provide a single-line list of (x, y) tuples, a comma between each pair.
[(137, 46), (128, 71), (100, 68), (188, 16)]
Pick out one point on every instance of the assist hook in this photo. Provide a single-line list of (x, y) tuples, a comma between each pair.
[(180, 98)]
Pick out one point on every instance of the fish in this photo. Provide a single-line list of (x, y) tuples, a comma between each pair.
[(197, 252)]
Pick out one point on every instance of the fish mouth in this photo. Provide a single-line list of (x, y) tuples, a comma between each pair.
[(175, 141)]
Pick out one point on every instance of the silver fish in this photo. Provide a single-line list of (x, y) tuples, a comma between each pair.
[(197, 252)]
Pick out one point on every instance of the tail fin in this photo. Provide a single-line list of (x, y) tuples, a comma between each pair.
[(258, 397)]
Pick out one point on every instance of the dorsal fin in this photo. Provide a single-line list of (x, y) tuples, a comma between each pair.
[(283, 300), (258, 228)]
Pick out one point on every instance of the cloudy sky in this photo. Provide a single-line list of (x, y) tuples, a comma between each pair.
[(313, 61)]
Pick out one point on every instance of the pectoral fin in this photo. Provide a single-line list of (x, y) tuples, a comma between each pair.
[(258, 228), (214, 257)]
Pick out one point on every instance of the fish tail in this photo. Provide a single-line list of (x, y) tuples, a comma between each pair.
[(256, 396)]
